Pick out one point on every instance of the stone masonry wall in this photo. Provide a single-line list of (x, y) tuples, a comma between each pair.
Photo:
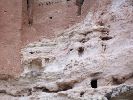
[(52, 16), (10, 30)]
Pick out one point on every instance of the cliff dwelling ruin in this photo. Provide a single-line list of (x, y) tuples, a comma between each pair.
[(66, 49)]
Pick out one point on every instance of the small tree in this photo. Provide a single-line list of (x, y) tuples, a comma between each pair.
[(79, 3)]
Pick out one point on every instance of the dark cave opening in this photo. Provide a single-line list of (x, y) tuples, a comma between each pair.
[(106, 38), (80, 50)]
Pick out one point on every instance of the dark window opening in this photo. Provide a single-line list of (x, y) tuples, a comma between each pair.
[(94, 83), (50, 17)]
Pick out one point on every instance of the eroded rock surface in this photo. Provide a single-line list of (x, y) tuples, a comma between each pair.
[(99, 47)]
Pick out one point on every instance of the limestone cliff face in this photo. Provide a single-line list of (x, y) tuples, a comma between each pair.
[(100, 47)]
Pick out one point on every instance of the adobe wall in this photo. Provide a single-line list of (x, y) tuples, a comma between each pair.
[(10, 30), (52, 16)]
